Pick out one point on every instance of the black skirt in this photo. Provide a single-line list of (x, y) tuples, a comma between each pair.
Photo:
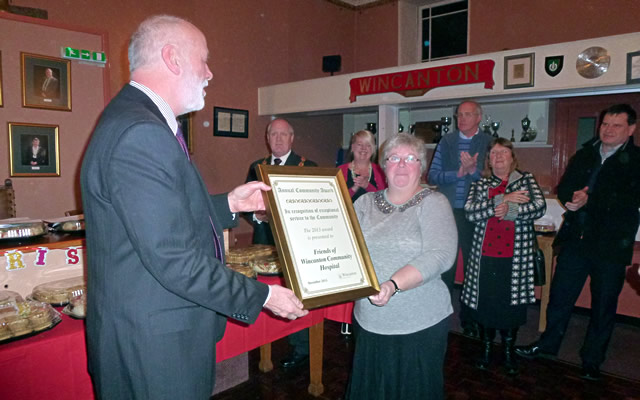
[(494, 296), (403, 367)]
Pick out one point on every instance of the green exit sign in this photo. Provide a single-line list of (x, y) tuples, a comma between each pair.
[(97, 57)]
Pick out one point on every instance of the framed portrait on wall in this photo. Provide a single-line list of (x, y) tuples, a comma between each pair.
[(185, 122), (46, 82), (519, 71), (33, 149)]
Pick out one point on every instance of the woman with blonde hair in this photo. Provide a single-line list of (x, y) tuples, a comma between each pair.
[(362, 174)]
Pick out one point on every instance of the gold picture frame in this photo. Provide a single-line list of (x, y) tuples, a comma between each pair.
[(46, 82), (322, 251), (34, 149), (519, 71)]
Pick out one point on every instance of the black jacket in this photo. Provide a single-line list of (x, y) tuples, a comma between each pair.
[(262, 232), (606, 226)]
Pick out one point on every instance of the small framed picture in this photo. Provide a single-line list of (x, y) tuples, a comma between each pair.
[(34, 149), (186, 121), (46, 82), (633, 67), (519, 71), (1, 101), (230, 122)]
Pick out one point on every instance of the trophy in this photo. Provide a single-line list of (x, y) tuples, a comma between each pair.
[(444, 129), (495, 125), (486, 125), (446, 121), (526, 124), (371, 127)]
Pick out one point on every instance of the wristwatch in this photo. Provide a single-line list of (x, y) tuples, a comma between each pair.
[(397, 290)]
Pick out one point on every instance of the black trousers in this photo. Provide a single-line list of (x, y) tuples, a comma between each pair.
[(465, 236), (607, 280)]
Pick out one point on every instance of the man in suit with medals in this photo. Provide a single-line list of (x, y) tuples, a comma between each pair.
[(159, 292), (280, 137)]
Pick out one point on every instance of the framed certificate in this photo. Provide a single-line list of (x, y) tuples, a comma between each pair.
[(322, 251)]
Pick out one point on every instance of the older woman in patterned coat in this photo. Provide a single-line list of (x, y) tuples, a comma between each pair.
[(499, 281)]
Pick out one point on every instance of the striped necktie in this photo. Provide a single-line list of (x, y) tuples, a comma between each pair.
[(216, 242)]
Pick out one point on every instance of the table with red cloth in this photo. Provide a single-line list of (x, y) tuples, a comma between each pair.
[(53, 364)]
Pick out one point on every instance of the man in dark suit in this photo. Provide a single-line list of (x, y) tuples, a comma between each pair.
[(601, 190), (158, 288), (50, 85), (280, 137)]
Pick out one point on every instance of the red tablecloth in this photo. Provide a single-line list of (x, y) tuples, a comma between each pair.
[(53, 364), (49, 365)]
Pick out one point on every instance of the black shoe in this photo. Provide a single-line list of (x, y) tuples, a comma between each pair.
[(590, 373), (531, 351), (294, 360)]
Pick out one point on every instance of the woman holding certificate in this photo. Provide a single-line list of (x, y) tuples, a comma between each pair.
[(401, 332)]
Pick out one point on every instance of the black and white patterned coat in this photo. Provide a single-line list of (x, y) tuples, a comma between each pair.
[(479, 208)]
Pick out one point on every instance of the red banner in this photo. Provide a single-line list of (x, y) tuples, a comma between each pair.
[(420, 81)]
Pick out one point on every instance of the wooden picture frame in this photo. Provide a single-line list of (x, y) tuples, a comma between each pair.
[(25, 159), (633, 67), (519, 71), (322, 251), (230, 122), (186, 124), (1, 99), (46, 82)]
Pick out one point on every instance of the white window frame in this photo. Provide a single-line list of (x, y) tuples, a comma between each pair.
[(420, 20)]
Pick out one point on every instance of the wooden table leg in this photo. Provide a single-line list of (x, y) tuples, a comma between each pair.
[(545, 244), (316, 339), (265, 364)]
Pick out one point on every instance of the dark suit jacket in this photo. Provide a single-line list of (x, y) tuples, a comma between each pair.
[(262, 232), (157, 295), (606, 226)]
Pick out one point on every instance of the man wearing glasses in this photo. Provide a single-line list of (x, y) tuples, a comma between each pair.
[(457, 162)]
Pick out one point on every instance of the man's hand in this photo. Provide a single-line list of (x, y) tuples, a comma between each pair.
[(261, 216), (284, 303), (248, 197), (579, 199), (519, 196), (468, 164)]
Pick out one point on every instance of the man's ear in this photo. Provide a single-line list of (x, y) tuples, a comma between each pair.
[(171, 58)]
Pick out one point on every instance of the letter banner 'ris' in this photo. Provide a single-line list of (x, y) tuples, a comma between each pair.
[(418, 82), (553, 65)]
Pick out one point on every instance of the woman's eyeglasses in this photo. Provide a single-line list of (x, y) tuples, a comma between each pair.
[(410, 159)]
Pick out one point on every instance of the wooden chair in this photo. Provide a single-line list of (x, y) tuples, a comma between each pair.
[(7, 200)]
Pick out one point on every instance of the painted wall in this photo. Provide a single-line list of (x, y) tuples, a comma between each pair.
[(497, 25), (49, 197)]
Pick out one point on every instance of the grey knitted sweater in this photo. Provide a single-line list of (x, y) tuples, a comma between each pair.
[(421, 233)]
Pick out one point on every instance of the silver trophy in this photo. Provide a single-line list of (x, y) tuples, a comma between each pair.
[(526, 124), (495, 125), (486, 125)]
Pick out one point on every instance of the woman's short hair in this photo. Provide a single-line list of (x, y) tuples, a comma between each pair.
[(365, 134), (404, 139), (487, 172)]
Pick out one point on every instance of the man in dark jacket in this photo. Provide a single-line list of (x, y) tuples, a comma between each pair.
[(159, 292), (601, 191)]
